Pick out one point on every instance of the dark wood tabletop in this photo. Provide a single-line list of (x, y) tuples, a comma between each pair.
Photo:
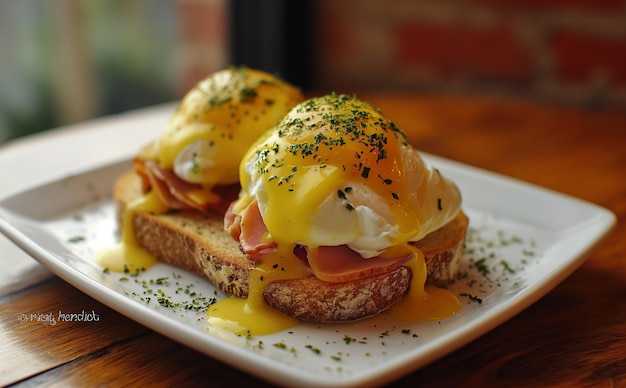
[(574, 336)]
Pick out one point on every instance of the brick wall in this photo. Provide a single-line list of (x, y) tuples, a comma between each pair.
[(566, 51), (203, 35)]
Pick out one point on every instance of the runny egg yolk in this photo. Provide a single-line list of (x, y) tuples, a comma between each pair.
[(338, 146)]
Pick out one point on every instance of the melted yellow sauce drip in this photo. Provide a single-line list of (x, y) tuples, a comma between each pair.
[(434, 304), (252, 316), (424, 303), (127, 256)]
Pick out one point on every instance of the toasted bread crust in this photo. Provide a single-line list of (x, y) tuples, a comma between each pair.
[(311, 299), (443, 250), (198, 242)]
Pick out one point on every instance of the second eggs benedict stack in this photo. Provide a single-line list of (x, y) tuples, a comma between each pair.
[(192, 167), (199, 151)]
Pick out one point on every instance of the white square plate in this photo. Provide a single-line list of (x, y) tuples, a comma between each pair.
[(522, 242)]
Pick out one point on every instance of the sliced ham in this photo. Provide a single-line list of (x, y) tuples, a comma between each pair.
[(253, 232), (249, 229), (332, 264), (178, 194), (172, 190), (342, 264), (232, 222), (162, 191)]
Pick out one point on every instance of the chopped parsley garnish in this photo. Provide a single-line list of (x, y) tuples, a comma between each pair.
[(348, 340), (386, 181), (248, 94), (314, 130), (313, 349), (280, 345), (76, 239), (473, 298)]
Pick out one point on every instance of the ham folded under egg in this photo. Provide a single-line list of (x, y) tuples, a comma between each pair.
[(328, 263), (178, 194)]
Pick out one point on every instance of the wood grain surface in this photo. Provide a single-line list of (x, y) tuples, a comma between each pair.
[(574, 336)]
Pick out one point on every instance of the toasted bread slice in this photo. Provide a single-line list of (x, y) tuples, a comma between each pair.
[(198, 242)]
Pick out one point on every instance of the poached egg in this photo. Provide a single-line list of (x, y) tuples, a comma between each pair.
[(335, 172), (215, 123)]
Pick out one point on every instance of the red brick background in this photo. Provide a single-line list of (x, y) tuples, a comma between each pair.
[(476, 52), (564, 51), (203, 26), (579, 56)]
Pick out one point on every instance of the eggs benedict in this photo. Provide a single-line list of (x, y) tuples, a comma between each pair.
[(194, 163), (198, 153), (333, 207)]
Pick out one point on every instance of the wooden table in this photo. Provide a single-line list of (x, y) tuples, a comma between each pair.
[(576, 335)]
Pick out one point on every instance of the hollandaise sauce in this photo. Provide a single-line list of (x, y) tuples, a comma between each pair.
[(252, 316), (424, 303), (127, 255)]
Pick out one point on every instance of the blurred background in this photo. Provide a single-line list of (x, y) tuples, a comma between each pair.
[(65, 61)]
